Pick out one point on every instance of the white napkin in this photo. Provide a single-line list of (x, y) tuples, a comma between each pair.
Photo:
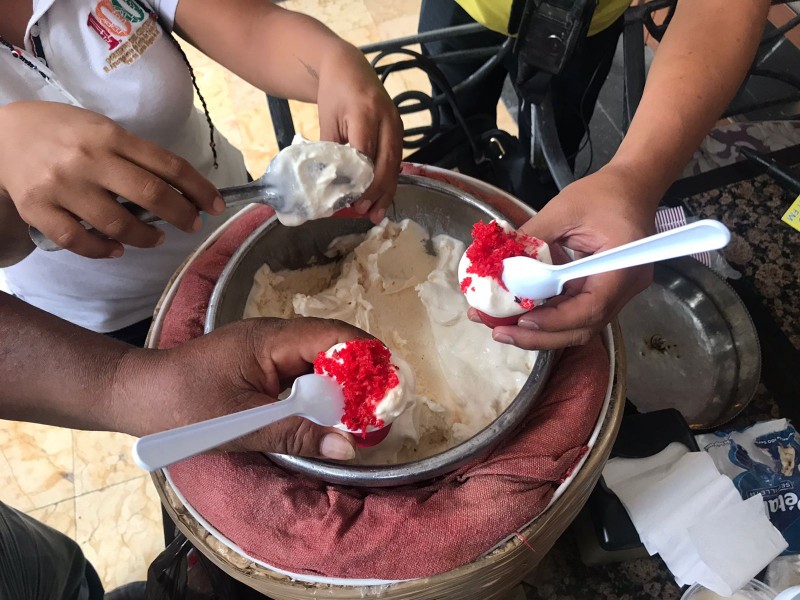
[(684, 510)]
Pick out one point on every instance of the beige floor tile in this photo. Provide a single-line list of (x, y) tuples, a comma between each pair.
[(504, 119), (256, 136), (306, 119), (257, 161), (396, 83), (119, 529), (102, 459), (36, 466), (398, 27), (59, 516), (243, 95), (362, 36), (228, 125), (383, 10), (255, 128), (416, 79)]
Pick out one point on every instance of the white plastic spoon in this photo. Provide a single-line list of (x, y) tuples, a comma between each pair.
[(529, 278), (315, 397)]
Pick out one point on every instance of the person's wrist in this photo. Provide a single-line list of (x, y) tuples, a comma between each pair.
[(344, 66), (637, 181), (131, 391)]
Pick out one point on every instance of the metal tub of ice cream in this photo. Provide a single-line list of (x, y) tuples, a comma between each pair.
[(440, 209), (491, 575)]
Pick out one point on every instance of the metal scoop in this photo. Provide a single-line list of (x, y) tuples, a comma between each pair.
[(307, 180), (529, 278), (314, 397)]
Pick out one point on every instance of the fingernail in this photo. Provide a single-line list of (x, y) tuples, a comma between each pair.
[(335, 447), (198, 223), (380, 215), (219, 204), (160, 240), (474, 318), (528, 324), (502, 338), (116, 253), (362, 207)]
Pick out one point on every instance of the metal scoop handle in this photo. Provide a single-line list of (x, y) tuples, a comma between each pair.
[(235, 196)]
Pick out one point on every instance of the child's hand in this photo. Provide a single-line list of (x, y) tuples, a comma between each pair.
[(354, 107), (60, 164), (599, 212)]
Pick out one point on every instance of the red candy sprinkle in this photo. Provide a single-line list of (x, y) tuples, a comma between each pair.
[(364, 370), (525, 303), (465, 283)]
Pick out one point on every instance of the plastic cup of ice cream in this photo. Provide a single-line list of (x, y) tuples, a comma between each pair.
[(493, 322)]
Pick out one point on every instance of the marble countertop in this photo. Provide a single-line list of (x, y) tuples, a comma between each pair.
[(767, 253)]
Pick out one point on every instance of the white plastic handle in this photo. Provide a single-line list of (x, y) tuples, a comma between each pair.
[(700, 236), (159, 450)]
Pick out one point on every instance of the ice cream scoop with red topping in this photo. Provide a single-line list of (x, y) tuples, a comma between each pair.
[(377, 387), (480, 271)]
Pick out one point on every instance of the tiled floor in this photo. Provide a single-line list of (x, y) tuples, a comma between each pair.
[(85, 484)]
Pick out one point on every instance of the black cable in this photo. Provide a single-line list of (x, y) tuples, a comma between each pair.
[(438, 80), (211, 127), (586, 128)]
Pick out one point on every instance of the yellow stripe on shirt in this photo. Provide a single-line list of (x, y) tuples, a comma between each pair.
[(495, 14)]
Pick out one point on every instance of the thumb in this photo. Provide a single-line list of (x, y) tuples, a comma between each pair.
[(298, 437)]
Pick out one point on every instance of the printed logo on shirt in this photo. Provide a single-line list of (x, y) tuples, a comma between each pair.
[(127, 26)]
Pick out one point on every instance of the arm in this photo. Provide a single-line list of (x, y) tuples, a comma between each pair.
[(697, 70), (56, 373), (279, 51), (291, 55), (695, 74)]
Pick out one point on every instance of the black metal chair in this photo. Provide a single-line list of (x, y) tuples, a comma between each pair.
[(643, 17), (546, 155)]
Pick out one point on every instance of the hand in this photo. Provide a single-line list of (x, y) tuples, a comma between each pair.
[(241, 366), (354, 107), (60, 164), (604, 210)]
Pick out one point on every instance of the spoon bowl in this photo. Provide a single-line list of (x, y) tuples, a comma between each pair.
[(540, 280)]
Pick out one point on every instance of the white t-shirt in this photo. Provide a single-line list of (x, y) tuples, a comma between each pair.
[(112, 57)]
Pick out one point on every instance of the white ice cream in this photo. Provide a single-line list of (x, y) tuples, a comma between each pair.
[(389, 285), (309, 188), (397, 399), (486, 294)]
